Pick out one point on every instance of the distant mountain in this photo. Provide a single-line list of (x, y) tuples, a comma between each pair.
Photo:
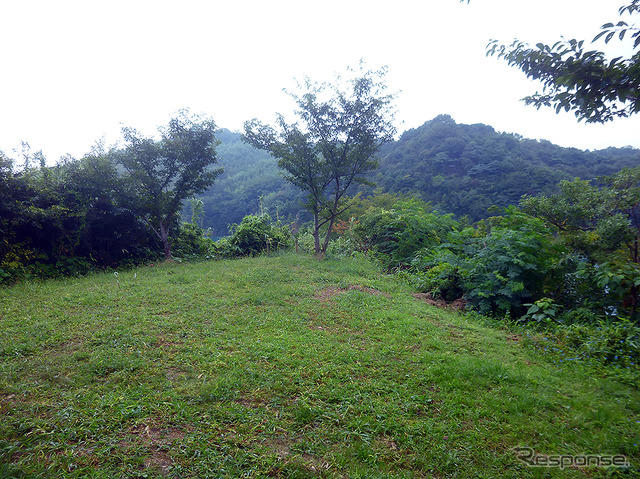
[(460, 169), (465, 169), (251, 183)]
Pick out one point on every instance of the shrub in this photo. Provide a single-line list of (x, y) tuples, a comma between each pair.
[(192, 242), (223, 248), (509, 266), (543, 312), (394, 236), (438, 272), (257, 234)]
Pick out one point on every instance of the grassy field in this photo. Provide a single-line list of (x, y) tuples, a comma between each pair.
[(284, 367)]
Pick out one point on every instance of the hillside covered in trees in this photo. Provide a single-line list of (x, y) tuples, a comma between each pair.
[(465, 169), (460, 169)]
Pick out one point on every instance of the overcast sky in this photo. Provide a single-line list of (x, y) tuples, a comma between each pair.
[(76, 71)]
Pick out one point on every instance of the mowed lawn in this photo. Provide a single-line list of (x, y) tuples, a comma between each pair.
[(285, 366)]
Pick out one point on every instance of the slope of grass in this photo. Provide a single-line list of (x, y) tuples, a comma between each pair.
[(283, 367)]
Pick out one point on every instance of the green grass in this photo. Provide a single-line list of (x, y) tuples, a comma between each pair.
[(283, 367)]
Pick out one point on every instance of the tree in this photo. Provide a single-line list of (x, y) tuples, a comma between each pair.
[(343, 125), (161, 174), (600, 221), (586, 82)]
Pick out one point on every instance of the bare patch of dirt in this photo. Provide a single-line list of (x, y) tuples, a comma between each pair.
[(159, 442), (158, 436), (252, 402), (457, 305), (7, 402), (164, 343), (387, 443), (281, 446), (173, 373)]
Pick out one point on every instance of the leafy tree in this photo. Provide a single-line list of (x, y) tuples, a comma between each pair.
[(574, 79), (600, 220), (110, 233), (343, 127), (161, 174)]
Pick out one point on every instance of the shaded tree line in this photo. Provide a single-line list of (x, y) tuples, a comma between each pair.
[(106, 209), (460, 169)]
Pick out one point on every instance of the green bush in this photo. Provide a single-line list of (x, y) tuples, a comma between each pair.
[(394, 236), (258, 234), (192, 242), (498, 267), (305, 242), (343, 246), (438, 272), (223, 248), (542, 312)]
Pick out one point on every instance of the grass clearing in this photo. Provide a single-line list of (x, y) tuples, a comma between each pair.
[(283, 367)]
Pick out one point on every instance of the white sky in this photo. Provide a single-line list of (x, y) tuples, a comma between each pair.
[(74, 71)]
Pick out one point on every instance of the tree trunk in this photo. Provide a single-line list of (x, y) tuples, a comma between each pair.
[(326, 239), (166, 243), (316, 233)]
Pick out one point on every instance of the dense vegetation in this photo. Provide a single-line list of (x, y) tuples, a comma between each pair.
[(107, 209), (466, 169), (251, 183), (460, 169)]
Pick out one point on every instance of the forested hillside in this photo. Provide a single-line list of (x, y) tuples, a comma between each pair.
[(465, 169), (251, 182), (460, 169)]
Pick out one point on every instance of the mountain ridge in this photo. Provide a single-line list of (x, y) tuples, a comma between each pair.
[(460, 168)]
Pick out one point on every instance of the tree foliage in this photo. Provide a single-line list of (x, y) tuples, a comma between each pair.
[(595, 88), (600, 220), (66, 218), (465, 169), (251, 183), (342, 129), (161, 174)]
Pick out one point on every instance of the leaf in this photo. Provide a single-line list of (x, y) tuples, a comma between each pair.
[(598, 36)]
